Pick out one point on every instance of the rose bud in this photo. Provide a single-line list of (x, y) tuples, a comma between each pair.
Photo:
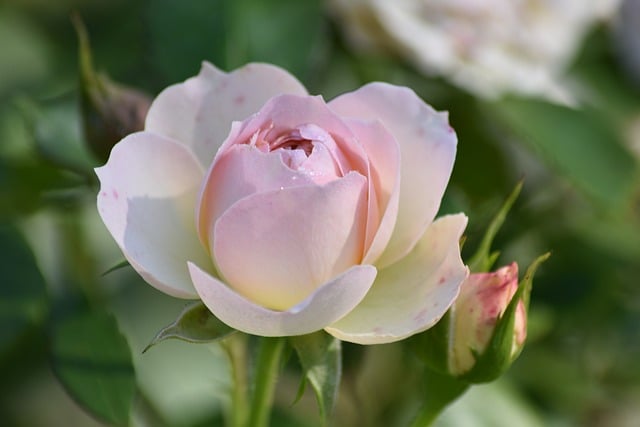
[(110, 111), (485, 329), (479, 312)]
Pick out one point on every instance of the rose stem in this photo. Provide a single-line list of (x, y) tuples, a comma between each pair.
[(236, 348), (266, 375)]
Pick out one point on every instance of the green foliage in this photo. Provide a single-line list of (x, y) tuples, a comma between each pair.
[(483, 259), (23, 299), (232, 33), (577, 143), (195, 324), (432, 345), (321, 359), (55, 129), (92, 360), (118, 266)]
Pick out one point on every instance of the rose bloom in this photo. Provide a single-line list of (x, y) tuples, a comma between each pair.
[(486, 47), (285, 214)]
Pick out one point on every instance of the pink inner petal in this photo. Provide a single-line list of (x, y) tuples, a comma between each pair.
[(384, 183), (427, 147), (276, 248)]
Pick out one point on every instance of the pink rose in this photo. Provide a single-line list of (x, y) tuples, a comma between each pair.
[(285, 214), (483, 299)]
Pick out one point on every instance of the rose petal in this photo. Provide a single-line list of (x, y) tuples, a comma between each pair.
[(384, 182), (327, 304), (427, 150), (279, 116), (276, 248), (413, 294), (250, 171), (147, 196), (199, 112), (286, 112)]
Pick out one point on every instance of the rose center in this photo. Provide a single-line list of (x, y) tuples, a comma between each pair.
[(294, 143), (306, 148)]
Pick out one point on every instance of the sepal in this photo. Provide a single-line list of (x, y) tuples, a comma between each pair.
[(195, 324), (320, 356)]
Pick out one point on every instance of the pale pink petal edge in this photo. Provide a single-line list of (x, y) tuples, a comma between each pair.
[(329, 303), (131, 190), (407, 299), (427, 152)]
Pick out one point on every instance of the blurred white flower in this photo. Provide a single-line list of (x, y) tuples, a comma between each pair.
[(487, 47)]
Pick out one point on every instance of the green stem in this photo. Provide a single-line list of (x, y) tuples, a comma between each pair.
[(441, 391), (266, 375), (236, 348)]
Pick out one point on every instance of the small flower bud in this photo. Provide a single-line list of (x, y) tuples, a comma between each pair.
[(109, 111), (485, 329), (475, 316)]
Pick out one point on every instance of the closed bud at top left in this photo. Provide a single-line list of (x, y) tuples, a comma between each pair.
[(110, 111)]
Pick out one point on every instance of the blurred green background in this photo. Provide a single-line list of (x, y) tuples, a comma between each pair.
[(71, 338)]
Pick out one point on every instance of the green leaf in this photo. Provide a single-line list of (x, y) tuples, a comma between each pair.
[(195, 324), (26, 51), (321, 359), (577, 143), (25, 186), (91, 358), (56, 129), (23, 297), (483, 259), (118, 266), (524, 289)]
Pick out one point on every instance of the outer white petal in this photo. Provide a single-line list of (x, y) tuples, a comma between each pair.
[(427, 151), (199, 112), (329, 303), (413, 294), (147, 199)]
